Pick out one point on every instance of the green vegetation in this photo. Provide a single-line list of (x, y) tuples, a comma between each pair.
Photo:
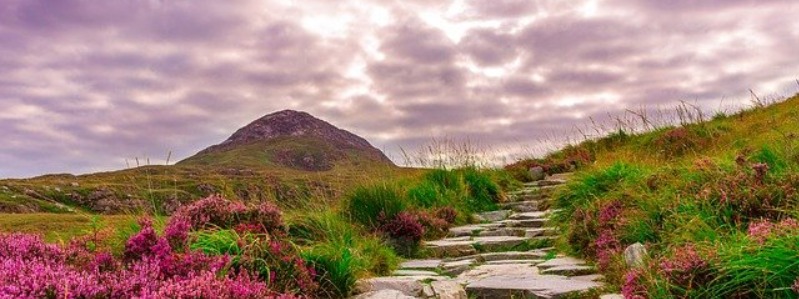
[(355, 233), (714, 201)]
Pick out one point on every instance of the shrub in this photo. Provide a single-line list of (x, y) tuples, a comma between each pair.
[(484, 194), (444, 179), (368, 203), (217, 212), (678, 142), (686, 268), (337, 270), (425, 194), (405, 231)]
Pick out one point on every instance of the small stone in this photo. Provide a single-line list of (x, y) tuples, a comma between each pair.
[(427, 292), (611, 296), (634, 255), (537, 173), (448, 290)]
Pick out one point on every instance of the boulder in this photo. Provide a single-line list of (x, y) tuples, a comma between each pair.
[(537, 173), (634, 255)]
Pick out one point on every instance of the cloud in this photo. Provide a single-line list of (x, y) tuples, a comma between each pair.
[(86, 85)]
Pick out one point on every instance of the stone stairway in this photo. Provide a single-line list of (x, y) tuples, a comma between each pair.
[(505, 256)]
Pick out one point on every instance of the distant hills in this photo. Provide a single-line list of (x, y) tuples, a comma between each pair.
[(284, 156)]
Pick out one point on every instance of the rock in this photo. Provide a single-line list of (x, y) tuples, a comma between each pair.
[(408, 285), (611, 296), (74, 184), (384, 294), (448, 290), (513, 255), (563, 261), (421, 265), (634, 255), (538, 286), (493, 216), (537, 173), (427, 292), (569, 270), (414, 273), (457, 267)]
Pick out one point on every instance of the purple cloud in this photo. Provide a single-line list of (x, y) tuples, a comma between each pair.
[(87, 84)]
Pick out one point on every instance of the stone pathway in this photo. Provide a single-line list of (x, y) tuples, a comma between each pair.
[(505, 256)]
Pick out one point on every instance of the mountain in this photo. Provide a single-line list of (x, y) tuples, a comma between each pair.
[(292, 139)]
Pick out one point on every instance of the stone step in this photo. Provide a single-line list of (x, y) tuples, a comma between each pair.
[(493, 216), (520, 280), (541, 231), (546, 182), (465, 246), (534, 286), (569, 270), (504, 231), (429, 265), (529, 215), (528, 223), (515, 204), (472, 229), (413, 273)]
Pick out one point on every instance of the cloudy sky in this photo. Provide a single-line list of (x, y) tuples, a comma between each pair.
[(86, 84)]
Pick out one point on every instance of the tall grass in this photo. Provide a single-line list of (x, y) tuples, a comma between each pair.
[(368, 204)]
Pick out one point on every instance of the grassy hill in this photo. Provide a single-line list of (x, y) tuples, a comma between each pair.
[(714, 202)]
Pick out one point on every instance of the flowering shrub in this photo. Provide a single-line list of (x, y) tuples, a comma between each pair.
[(434, 227), (633, 287), (448, 214), (217, 212), (760, 231), (403, 227), (607, 244), (686, 268), (29, 268)]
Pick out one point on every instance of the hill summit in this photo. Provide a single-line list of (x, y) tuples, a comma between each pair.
[(293, 139)]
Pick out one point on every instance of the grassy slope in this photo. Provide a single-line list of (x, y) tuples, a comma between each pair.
[(681, 188)]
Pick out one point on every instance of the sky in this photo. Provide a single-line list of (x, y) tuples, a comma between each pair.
[(85, 85)]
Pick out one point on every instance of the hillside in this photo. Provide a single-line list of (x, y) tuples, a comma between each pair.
[(714, 203), (288, 156), (290, 139)]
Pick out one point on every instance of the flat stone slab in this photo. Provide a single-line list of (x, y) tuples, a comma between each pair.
[(530, 215), (562, 261), (513, 255), (569, 270), (509, 262), (414, 273), (507, 270), (457, 267), (504, 231), (493, 216), (539, 286), (384, 294), (408, 285), (421, 264), (529, 223), (470, 230), (540, 232), (498, 242)]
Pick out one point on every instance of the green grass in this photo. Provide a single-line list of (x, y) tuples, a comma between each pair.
[(695, 185)]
